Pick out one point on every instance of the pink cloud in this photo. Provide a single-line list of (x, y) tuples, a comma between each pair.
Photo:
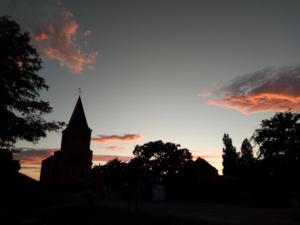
[(116, 138), (59, 40), (195, 156), (262, 91), (106, 158), (33, 156), (262, 102), (40, 36), (112, 148), (197, 153), (205, 94)]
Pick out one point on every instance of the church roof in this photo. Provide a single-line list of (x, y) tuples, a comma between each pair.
[(78, 120)]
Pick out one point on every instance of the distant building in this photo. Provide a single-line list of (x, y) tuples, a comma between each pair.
[(72, 164)]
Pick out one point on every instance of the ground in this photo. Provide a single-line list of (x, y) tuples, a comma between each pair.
[(79, 208)]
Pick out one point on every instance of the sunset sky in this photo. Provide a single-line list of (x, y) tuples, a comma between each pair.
[(178, 71)]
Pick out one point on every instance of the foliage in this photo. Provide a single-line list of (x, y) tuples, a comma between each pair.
[(156, 163), (162, 159), (21, 107), (278, 139), (279, 136), (8, 166), (230, 157), (115, 172), (239, 164), (246, 151), (246, 160)]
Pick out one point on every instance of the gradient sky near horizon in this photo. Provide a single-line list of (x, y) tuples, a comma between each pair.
[(179, 71)]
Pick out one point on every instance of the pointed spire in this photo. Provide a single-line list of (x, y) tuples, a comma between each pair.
[(78, 120)]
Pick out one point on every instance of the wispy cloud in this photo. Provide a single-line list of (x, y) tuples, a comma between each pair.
[(33, 156), (106, 158), (112, 148), (59, 39), (197, 153), (116, 138), (55, 30), (205, 93), (265, 90)]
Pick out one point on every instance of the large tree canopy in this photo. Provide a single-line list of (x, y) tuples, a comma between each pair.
[(21, 108), (279, 136), (278, 139), (161, 159)]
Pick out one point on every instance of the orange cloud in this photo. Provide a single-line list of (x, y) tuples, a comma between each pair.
[(116, 138), (59, 40), (40, 36), (33, 156), (262, 91), (262, 102), (112, 148), (196, 154), (107, 158), (205, 93), (31, 165)]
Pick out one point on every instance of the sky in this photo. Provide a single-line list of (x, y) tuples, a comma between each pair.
[(179, 71)]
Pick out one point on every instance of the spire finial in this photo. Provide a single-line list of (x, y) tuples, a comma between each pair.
[(79, 91)]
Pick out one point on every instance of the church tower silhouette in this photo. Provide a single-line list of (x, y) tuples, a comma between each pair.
[(71, 165)]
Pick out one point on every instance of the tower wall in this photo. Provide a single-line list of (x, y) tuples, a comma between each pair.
[(72, 164)]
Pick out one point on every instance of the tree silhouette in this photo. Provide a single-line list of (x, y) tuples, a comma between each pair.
[(278, 139), (157, 163), (21, 107), (161, 159), (230, 157), (246, 151), (115, 172), (246, 160), (113, 175), (8, 166), (247, 157)]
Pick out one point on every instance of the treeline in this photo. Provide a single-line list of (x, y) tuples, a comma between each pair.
[(278, 150), (155, 163), (270, 176)]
